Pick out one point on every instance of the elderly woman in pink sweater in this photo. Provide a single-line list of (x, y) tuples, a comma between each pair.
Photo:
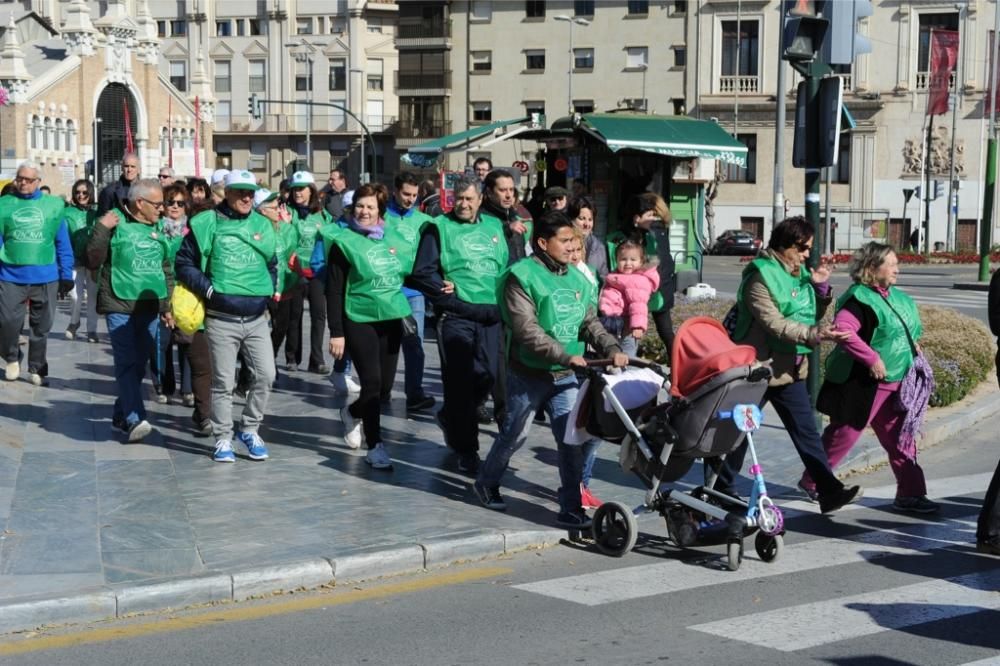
[(624, 299)]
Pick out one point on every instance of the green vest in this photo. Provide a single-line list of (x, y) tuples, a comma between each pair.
[(889, 339), (79, 223), (235, 253), (138, 252), (649, 246), (409, 227), (794, 296), (376, 275), (29, 228), (287, 239), (472, 256), (560, 303), (309, 229)]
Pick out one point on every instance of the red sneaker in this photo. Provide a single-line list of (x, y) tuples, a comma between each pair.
[(587, 499)]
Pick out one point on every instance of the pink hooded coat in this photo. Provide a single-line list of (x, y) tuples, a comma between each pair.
[(627, 295)]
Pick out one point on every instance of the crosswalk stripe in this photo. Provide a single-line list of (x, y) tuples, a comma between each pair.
[(648, 580), (798, 627), (989, 661)]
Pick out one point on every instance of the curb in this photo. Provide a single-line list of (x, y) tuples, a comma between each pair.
[(29, 613), (971, 286)]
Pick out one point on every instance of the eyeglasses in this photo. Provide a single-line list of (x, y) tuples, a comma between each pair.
[(176, 202), (154, 204), (25, 179), (81, 193), (165, 175)]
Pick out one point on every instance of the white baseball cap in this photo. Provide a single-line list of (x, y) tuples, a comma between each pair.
[(262, 196), (218, 176), (302, 179), (241, 180)]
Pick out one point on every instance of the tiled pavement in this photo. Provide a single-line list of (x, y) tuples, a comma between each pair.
[(81, 510)]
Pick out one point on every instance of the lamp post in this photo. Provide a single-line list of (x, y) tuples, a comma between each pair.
[(303, 52), (569, 72)]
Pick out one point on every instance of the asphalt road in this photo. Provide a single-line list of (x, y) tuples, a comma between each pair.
[(866, 586), (927, 284)]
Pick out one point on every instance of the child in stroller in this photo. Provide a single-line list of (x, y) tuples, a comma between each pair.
[(717, 386)]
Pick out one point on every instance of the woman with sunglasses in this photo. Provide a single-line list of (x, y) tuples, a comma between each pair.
[(309, 218), (81, 213)]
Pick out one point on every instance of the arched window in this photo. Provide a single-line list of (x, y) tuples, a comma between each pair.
[(175, 138), (33, 139), (70, 136), (48, 134), (60, 143)]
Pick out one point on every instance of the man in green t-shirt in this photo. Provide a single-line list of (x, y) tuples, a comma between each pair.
[(129, 249), (230, 260)]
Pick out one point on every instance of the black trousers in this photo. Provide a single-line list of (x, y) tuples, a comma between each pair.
[(468, 354), (316, 293), (791, 401), (200, 359), (374, 350), (664, 329), (292, 325), (988, 527)]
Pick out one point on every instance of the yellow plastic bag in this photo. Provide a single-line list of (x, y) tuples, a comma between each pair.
[(188, 310)]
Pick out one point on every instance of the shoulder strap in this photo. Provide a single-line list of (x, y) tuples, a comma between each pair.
[(913, 345)]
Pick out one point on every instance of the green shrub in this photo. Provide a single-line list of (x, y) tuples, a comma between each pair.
[(960, 349)]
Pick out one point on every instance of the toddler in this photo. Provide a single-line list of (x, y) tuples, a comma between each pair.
[(624, 301)]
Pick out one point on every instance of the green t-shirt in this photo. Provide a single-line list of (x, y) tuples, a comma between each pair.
[(288, 242), (79, 224), (29, 228), (235, 252), (376, 275), (138, 252), (472, 256), (309, 229)]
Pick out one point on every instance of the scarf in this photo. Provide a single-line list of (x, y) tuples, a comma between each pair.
[(375, 231), (913, 397)]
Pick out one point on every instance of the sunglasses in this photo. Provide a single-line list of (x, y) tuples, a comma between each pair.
[(803, 247), (81, 193), (164, 175), (176, 202)]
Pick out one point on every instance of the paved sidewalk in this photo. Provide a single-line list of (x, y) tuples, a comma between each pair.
[(94, 527)]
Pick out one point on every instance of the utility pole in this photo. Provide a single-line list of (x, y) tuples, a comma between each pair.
[(778, 203), (986, 229)]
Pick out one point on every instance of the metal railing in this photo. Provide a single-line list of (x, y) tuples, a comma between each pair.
[(739, 84), (406, 129), (423, 80), (848, 81), (282, 122), (430, 30)]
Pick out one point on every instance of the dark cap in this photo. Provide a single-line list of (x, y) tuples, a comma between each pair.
[(554, 192)]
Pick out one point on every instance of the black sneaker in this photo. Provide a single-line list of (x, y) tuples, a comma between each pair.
[(489, 497), (919, 504), (483, 415), (574, 520), (830, 503), (420, 404), (989, 547), (469, 463), (202, 427), (119, 425), (540, 416)]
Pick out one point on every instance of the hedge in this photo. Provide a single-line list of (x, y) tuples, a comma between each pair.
[(960, 349)]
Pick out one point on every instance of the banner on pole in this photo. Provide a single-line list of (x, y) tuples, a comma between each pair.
[(944, 57), (989, 78)]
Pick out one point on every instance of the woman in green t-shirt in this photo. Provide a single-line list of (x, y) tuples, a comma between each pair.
[(81, 213)]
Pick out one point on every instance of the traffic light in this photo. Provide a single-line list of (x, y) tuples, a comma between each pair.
[(804, 30), (843, 42), (938, 189), (254, 107)]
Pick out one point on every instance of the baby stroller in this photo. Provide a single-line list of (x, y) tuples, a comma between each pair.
[(712, 405)]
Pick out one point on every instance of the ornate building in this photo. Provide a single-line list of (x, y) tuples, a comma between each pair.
[(80, 92)]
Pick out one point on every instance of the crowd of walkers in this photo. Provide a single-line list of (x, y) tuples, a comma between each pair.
[(520, 295)]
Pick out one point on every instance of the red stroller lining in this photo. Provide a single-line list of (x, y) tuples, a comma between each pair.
[(702, 350)]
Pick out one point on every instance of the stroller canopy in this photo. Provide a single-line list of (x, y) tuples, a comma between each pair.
[(702, 349)]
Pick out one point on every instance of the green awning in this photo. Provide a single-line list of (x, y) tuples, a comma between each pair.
[(675, 136), (461, 139)]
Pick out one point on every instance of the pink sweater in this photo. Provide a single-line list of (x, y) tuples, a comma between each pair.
[(628, 296)]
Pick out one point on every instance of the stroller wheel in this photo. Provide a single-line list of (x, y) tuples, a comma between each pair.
[(735, 554), (768, 547), (615, 529)]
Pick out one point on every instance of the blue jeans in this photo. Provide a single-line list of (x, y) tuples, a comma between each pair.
[(525, 395), (589, 456), (133, 337), (413, 352)]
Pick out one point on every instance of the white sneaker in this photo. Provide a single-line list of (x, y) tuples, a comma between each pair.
[(378, 457), (13, 371), (343, 384), (353, 436)]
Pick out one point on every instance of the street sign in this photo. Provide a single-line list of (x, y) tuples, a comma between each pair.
[(521, 166)]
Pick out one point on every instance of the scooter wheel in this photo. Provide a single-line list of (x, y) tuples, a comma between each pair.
[(768, 546), (615, 529), (735, 554)]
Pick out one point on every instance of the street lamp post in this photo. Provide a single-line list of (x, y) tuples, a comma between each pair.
[(304, 53), (569, 72)]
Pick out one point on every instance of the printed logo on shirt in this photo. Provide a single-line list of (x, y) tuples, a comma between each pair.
[(481, 250), (147, 255), (384, 262), (407, 232), (29, 225), (569, 312), (235, 252)]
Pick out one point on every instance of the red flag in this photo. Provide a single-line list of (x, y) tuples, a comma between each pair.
[(197, 125), (944, 57), (129, 146)]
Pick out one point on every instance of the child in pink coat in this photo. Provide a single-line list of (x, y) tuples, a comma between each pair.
[(624, 302)]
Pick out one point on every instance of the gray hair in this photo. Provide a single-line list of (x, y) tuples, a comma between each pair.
[(462, 183), (28, 164), (167, 171), (142, 188), (133, 155), (866, 260)]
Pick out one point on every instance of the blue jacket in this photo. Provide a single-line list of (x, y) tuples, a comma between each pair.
[(187, 267), (60, 269), (317, 261)]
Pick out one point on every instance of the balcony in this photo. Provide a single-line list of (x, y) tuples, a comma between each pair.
[(285, 123), (423, 34), (422, 83), (408, 129), (739, 85), (924, 81)]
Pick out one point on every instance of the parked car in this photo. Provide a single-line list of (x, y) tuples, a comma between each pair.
[(736, 241)]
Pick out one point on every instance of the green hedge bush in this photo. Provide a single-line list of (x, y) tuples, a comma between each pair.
[(960, 349)]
